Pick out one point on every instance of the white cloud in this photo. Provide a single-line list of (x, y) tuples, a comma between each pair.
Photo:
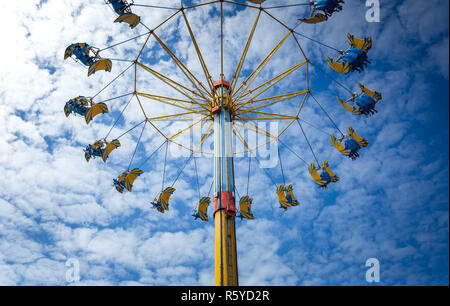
[(391, 203)]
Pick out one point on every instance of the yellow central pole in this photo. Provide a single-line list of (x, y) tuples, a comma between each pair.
[(226, 271)]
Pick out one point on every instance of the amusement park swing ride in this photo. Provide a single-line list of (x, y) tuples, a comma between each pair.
[(227, 108)]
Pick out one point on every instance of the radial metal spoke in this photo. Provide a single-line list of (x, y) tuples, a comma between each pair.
[(151, 32), (199, 54), (204, 137), (195, 82), (272, 100), (173, 102), (201, 4), (122, 42), (244, 53), (157, 6), (270, 83), (194, 111), (241, 138), (271, 116), (221, 41), (173, 117), (255, 129), (241, 4), (177, 86), (287, 5), (251, 78), (184, 131)]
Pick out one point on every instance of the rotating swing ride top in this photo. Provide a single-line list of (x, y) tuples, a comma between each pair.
[(226, 109)]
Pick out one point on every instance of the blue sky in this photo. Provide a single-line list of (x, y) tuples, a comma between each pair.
[(391, 203)]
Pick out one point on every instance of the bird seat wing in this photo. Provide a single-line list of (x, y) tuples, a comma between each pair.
[(339, 146), (99, 108), (87, 156), (131, 176), (326, 167), (249, 210), (81, 101), (343, 68), (315, 19), (373, 94), (203, 208), (164, 197), (67, 109), (256, 1), (243, 204), (102, 64), (361, 141), (245, 207), (120, 181), (363, 44), (69, 51), (351, 109), (290, 195), (119, 189), (109, 148), (281, 194), (160, 209), (122, 177), (315, 175), (98, 144), (132, 19)]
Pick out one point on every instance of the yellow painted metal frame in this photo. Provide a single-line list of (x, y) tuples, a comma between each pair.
[(195, 82), (270, 83), (200, 99), (244, 53), (251, 78), (244, 102)]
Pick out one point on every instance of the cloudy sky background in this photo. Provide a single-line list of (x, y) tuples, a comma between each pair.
[(391, 203)]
